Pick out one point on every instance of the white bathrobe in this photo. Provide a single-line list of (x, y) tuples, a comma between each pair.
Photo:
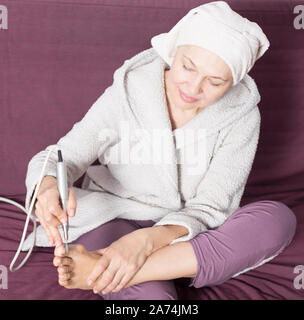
[(198, 179)]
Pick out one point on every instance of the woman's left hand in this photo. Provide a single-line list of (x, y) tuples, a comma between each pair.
[(120, 262)]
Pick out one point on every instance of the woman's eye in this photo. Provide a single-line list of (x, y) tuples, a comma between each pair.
[(214, 84)]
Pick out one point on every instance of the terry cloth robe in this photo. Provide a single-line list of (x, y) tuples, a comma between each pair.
[(194, 177)]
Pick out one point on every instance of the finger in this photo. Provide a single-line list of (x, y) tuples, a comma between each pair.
[(38, 209), (57, 214), (50, 218), (105, 279), (124, 281), (56, 235), (49, 234), (115, 282), (51, 221), (100, 266), (71, 203), (51, 206)]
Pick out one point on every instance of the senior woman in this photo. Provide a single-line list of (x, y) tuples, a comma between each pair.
[(141, 224)]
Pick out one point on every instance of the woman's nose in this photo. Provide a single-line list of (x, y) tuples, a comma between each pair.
[(195, 88)]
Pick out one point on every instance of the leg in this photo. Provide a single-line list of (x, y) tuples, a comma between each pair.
[(251, 236), (205, 251), (169, 258), (102, 237)]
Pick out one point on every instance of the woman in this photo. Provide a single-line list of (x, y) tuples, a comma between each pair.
[(143, 221)]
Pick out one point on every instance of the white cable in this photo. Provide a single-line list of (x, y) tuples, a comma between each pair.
[(29, 213)]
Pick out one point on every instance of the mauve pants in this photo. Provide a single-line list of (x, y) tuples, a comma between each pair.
[(251, 236)]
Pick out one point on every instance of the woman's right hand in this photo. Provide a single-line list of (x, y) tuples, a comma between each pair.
[(49, 211)]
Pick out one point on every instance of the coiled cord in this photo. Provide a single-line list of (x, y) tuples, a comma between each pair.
[(29, 215)]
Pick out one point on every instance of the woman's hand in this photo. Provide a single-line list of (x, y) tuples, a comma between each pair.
[(120, 262), (48, 209)]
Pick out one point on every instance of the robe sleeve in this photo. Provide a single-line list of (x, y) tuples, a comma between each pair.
[(219, 193), (80, 147)]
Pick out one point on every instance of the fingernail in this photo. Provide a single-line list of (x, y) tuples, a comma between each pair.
[(72, 212), (90, 282)]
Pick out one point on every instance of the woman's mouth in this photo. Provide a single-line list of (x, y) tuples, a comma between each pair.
[(185, 97)]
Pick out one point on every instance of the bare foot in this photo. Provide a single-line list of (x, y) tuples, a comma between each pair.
[(75, 266)]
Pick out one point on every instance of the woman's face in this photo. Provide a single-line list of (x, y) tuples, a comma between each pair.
[(199, 74)]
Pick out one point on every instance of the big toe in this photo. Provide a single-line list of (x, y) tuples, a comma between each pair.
[(59, 251)]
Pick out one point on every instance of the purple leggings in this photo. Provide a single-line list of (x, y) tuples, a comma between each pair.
[(251, 236)]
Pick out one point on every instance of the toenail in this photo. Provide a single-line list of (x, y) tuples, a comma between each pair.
[(60, 253)]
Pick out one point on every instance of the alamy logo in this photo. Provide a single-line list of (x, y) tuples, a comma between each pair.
[(3, 17), (130, 146), (298, 21), (298, 281), (3, 277)]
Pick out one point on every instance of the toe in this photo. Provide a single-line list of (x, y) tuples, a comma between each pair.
[(57, 261), (66, 261), (63, 269), (59, 251), (64, 277), (64, 283)]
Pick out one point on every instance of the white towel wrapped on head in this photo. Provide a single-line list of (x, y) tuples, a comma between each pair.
[(216, 27)]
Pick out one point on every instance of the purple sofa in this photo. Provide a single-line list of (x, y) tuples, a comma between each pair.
[(58, 56)]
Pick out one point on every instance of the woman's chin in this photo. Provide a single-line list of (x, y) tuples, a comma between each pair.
[(187, 106)]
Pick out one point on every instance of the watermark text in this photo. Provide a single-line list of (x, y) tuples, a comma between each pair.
[(3, 277), (156, 146), (3, 17), (298, 21), (298, 281)]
